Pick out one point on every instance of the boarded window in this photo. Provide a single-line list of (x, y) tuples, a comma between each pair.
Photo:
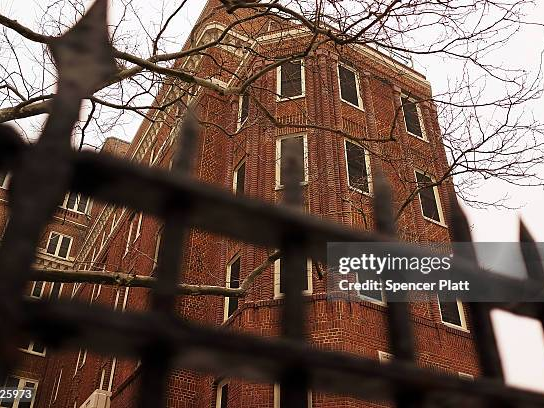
[(296, 144), (357, 167), (348, 85), (233, 282), (244, 107), (428, 197), (240, 179), (411, 117), (291, 79), (450, 313)]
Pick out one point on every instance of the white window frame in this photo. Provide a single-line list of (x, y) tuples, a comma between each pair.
[(382, 302), (129, 237), (304, 136), (81, 359), (5, 184), (419, 116), (279, 98), (51, 290), (32, 290), (57, 249), (239, 121), (384, 357), (96, 290), (462, 316), (368, 168), (277, 398), (357, 86), (277, 277), (219, 392), (29, 349), (235, 174), (465, 376), (436, 197), (78, 198), (227, 284), (21, 385), (56, 387)]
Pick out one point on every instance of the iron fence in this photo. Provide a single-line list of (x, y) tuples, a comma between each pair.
[(43, 172)]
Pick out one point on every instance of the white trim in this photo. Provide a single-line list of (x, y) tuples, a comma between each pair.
[(41, 290), (465, 376), (235, 175), (440, 222), (368, 168), (239, 121), (219, 393), (138, 228), (51, 290), (382, 302), (384, 357), (57, 249), (357, 86), (304, 136), (76, 203), (462, 317), (81, 359), (277, 398), (56, 387), (277, 277), (5, 184), (227, 283), (419, 117), (279, 98), (30, 349)]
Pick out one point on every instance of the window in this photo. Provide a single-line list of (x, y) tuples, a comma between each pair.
[(291, 80), (277, 397), (157, 249), (375, 296), (59, 245), (429, 198), (134, 230), (358, 167), (33, 347), (301, 263), (76, 202), (138, 227), (243, 109), (299, 146), (56, 290), (232, 281), (20, 384), (452, 313), (95, 292), (412, 117), (81, 359), (239, 179), (37, 289), (349, 86), (4, 180), (56, 386), (222, 395)]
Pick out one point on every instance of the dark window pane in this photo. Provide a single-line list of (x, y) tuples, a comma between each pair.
[(53, 242), (427, 197), (82, 204), (291, 79), (304, 402), (38, 347), (37, 289), (55, 290), (411, 117), (301, 265), (450, 313), (348, 85), (244, 109), (71, 201), (224, 396), (357, 168), (234, 282), (64, 247), (297, 146), (240, 179)]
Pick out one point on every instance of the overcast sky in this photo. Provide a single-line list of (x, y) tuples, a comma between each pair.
[(521, 340)]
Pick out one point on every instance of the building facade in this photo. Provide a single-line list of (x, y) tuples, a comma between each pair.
[(349, 113)]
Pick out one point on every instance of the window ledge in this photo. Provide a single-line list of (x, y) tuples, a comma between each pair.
[(456, 327), (439, 223), (358, 190), (361, 108), (423, 139), (282, 187), (34, 353), (290, 98), (280, 296)]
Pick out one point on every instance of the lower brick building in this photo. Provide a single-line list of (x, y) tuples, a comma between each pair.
[(349, 99)]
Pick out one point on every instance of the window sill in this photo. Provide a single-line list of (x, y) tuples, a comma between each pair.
[(290, 98), (241, 124), (439, 223), (279, 296), (456, 327), (34, 353), (361, 108), (282, 187), (358, 190), (422, 138)]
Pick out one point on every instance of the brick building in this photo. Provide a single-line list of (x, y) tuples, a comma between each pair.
[(348, 112)]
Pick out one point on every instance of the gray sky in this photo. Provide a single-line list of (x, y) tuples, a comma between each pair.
[(521, 340)]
